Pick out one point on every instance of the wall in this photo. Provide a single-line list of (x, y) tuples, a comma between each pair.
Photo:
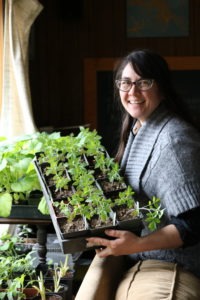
[(65, 34)]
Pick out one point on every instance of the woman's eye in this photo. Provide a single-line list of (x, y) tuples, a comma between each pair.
[(125, 82)]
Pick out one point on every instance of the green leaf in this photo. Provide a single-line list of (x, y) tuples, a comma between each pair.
[(23, 185), (5, 204), (43, 207), (3, 164), (21, 166)]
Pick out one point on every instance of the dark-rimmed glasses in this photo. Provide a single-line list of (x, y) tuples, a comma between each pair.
[(125, 85)]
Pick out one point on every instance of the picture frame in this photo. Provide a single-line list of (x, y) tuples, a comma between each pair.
[(164, 18)]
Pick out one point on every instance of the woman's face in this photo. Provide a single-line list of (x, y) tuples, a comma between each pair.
[(139, 104)]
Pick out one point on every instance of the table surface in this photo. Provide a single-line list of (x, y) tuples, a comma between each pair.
[(25, 221)]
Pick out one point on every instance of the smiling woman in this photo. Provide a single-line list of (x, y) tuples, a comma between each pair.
[(136, 94), (161, 158), (100, 109)]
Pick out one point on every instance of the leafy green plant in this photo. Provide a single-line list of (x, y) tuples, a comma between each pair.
[(18, 177), (40, 287), (77, 201), (8, 248), (59, 272), (98, 205), (124, 197), (61, 182), (14, 290), (15, 266), (7, 244), (89, 141), (17, 273), (24, 231), (14, 269), (80, 156), (154, 213)]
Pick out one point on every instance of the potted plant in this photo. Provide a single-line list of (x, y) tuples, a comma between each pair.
[(13, 289), (92, 189), (16, 275), (20, 280), (16, 270), (44, 293), (18, 179), (55, 277)]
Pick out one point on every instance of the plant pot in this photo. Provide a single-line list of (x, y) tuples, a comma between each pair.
[(24, 248), (53, 296), (65, 281), (123, 212), (50, 296), (61, 194), (30, 293), (27, 212), (73, 228), (63, 292), (35, 197), (111, 188), (97, 227)]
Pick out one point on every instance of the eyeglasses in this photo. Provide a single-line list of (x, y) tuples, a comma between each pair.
[(125, 85)]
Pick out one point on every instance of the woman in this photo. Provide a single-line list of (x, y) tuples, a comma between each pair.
[(159, 154)]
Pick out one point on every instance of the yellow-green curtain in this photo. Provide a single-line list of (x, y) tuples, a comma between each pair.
[(16, 117)]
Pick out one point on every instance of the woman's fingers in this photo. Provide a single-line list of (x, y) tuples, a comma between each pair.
[(96, 241), (118, 245)]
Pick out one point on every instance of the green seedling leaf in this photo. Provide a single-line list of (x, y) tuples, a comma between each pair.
[(43, 207), (5, 204), (3, 164)]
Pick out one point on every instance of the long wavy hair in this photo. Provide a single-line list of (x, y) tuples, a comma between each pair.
[(146, 64)]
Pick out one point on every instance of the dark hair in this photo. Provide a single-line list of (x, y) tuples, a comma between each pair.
[(147, 64)]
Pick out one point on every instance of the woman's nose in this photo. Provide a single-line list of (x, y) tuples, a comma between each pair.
[(134, 89)]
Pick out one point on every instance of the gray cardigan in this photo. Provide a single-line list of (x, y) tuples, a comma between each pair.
[(163, 160)]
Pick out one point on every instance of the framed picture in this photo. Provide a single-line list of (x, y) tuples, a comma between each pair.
[(163, 18)]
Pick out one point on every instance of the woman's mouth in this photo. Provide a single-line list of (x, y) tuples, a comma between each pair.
[(135, 102)]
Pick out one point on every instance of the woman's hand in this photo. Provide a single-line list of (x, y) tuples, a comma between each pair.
[(124, 242)]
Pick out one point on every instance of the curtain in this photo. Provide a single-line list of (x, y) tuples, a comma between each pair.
[(1, 47), (16, 116)]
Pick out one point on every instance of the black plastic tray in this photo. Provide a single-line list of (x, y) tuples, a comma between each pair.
[(27, 212), (76, 242)]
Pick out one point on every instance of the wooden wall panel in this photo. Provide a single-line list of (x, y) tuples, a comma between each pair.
[(175, 46), (93, 66), (62, 43)]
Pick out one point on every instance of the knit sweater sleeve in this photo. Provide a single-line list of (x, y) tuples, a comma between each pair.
[(188, 225), (172, 173)]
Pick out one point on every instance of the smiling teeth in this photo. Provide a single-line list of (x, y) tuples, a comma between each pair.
[(135, 102)]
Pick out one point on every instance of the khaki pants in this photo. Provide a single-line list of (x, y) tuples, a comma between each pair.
[(107, 279)]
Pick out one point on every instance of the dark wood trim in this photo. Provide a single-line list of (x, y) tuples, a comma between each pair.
[(93, 65)]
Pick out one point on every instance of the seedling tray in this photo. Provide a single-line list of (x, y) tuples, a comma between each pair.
[(76, 241), (27, 212)]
